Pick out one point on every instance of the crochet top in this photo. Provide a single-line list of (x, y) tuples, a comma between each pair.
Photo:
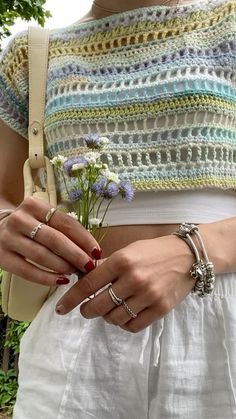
[(159, 81)]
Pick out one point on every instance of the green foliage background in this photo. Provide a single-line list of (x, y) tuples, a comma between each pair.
[(10, 10), (8, 379)]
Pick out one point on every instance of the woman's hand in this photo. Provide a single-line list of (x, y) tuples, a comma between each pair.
[(62, 247), (152, 276)]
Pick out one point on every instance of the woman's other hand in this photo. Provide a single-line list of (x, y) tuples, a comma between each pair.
[(64, 246), (152, 276)]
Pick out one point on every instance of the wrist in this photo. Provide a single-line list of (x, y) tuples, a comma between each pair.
[(216, 245)]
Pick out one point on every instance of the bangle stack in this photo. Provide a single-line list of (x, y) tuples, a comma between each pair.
[(202, 270)]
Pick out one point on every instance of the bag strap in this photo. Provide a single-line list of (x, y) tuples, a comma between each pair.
[(43, 188), (38, 43)]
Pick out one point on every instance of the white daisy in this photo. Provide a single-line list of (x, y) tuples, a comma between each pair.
[(92, 157), (94, 222), (58, 160)]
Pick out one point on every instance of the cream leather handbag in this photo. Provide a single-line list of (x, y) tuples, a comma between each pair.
[(22, 299)]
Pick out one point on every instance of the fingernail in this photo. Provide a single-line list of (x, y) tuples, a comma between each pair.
[(60, 309), (62, 281), (89, 266), (96, 253)]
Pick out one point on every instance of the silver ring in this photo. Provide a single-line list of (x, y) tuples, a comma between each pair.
[(129, 311), (120, 302), (35, 230), (116, 300), (50, 214)]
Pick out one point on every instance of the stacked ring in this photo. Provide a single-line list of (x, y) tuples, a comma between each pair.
[(129, 311), (116, 300), (50, 214), (120, 302), (35, 230)]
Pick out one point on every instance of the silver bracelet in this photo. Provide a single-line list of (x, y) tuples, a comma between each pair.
[(202, 270), (4, 212)]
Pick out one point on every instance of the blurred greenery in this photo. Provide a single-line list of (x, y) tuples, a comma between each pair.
[(8, 390), (9, 338), (10, 10)]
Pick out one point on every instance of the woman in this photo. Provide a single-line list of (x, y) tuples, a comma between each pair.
[(158, 78)]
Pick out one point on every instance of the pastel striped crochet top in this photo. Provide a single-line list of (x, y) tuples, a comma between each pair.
[(160, 82)]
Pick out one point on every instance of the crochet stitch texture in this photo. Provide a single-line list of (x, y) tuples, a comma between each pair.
[(160, 82)]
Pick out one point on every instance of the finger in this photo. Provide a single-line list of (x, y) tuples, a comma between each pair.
[(76, 233), (66, 225), (102, 304), (42, 256), (144, 319), (20, 267), (117, 315), (88, 285), (60, 245), (99, 262)]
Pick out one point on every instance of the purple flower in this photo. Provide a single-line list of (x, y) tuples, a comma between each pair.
[(98, 186), (75, 195), (71, 161), (92, 140), (126, 190), (111, 190)]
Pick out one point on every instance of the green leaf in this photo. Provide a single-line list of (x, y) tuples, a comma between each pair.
[(10, 10), (8, 380)]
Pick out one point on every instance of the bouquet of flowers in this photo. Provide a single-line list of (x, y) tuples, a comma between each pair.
[(90, 186)]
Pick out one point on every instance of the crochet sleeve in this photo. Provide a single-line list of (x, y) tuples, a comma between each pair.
[(14, 86)]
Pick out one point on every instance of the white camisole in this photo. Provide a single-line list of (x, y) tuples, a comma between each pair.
[(199, 206)]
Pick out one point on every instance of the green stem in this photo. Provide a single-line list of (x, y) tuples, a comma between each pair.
[(64, 179), (92, 204), (99, 206), (67, 190), (105, 233), (104, 215)]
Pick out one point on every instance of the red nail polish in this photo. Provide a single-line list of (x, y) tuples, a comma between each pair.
[(96, 253), (62, 281), (60, 309), (89, 266)]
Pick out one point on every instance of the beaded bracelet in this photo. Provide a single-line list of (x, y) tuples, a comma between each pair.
[(202, 270)]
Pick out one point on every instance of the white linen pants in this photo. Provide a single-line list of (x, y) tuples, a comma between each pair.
[(183, 366)]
